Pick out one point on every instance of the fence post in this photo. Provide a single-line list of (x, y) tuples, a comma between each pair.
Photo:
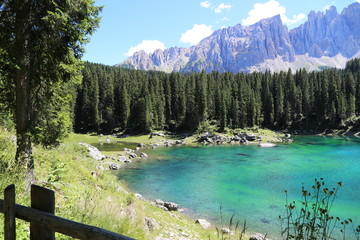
[(9, 213), (42, 199)]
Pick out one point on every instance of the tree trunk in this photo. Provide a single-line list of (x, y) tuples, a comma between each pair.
[(23, 89), (22, 113)]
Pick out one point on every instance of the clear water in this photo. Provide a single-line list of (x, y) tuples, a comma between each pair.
[(248, 180)]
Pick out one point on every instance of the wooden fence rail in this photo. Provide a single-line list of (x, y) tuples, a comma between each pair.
[(43, 223)]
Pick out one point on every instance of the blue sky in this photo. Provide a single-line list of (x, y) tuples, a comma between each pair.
[(131, 25)]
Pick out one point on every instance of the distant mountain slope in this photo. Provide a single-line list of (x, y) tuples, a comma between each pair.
[(325, 40)]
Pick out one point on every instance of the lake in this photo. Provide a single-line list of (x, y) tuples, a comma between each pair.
[(248, 180)]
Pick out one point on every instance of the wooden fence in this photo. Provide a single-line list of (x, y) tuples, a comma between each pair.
[(43, 222)]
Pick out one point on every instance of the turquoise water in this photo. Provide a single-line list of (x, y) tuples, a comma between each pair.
[(248, 180)]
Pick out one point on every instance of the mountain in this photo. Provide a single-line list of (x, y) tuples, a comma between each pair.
[(326, 39)]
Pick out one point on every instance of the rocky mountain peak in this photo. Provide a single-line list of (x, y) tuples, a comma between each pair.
[(326, 38)]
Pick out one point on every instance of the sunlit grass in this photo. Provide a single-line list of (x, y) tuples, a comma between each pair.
[(101, 201)]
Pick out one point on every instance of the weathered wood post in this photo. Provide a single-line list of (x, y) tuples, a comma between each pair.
[(9, 213), (42, 199)]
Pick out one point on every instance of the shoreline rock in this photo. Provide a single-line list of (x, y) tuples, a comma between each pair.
[(258, 236), (167, 206), (93, 151), (205, 224)]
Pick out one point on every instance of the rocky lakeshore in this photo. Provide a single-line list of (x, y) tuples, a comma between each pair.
[(262, 138), (154, 140)]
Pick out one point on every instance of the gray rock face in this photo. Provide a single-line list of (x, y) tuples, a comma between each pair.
[(266, 45), (329, 33), (167, 206), (132, 155), (143, 155), (114, 166), (172, 206)]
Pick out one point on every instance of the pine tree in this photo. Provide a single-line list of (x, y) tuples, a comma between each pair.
[(350, 93), (201, 97), (41, 44), (122, 103), (87, 114)]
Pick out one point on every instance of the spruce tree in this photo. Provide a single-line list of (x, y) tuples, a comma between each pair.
[(41, 44)]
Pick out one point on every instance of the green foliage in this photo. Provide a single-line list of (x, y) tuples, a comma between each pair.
[(41, 44), (56, 173), (95, 199), (130, 198), (143, 101), (311, 218)]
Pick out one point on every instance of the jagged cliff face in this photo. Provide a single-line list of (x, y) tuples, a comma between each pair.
[(326, 39), (329, 34)]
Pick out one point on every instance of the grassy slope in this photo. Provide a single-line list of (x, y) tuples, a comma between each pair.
[(101, 201)]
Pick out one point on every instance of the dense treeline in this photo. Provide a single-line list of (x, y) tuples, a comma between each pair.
[(116, 99)]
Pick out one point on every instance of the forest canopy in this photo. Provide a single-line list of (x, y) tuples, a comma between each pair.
[(112, 99)]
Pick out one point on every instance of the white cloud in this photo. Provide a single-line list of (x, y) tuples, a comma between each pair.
[(270, 9), (216, 9), (205, 4), (327, 7), (149, 46), (196, 34), (222, 7), (294, 20), (358, 1)]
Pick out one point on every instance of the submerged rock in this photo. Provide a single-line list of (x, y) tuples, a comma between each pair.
[(267, 145)]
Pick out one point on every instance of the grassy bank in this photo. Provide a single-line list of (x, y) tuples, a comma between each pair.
[(264, 135), (89, 194)]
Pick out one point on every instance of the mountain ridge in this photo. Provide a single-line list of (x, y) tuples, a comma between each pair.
[(326, 39)]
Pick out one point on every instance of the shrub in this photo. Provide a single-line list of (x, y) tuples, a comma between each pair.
[(311, 218)]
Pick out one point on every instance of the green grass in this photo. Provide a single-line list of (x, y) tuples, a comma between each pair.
[(102, 201)]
